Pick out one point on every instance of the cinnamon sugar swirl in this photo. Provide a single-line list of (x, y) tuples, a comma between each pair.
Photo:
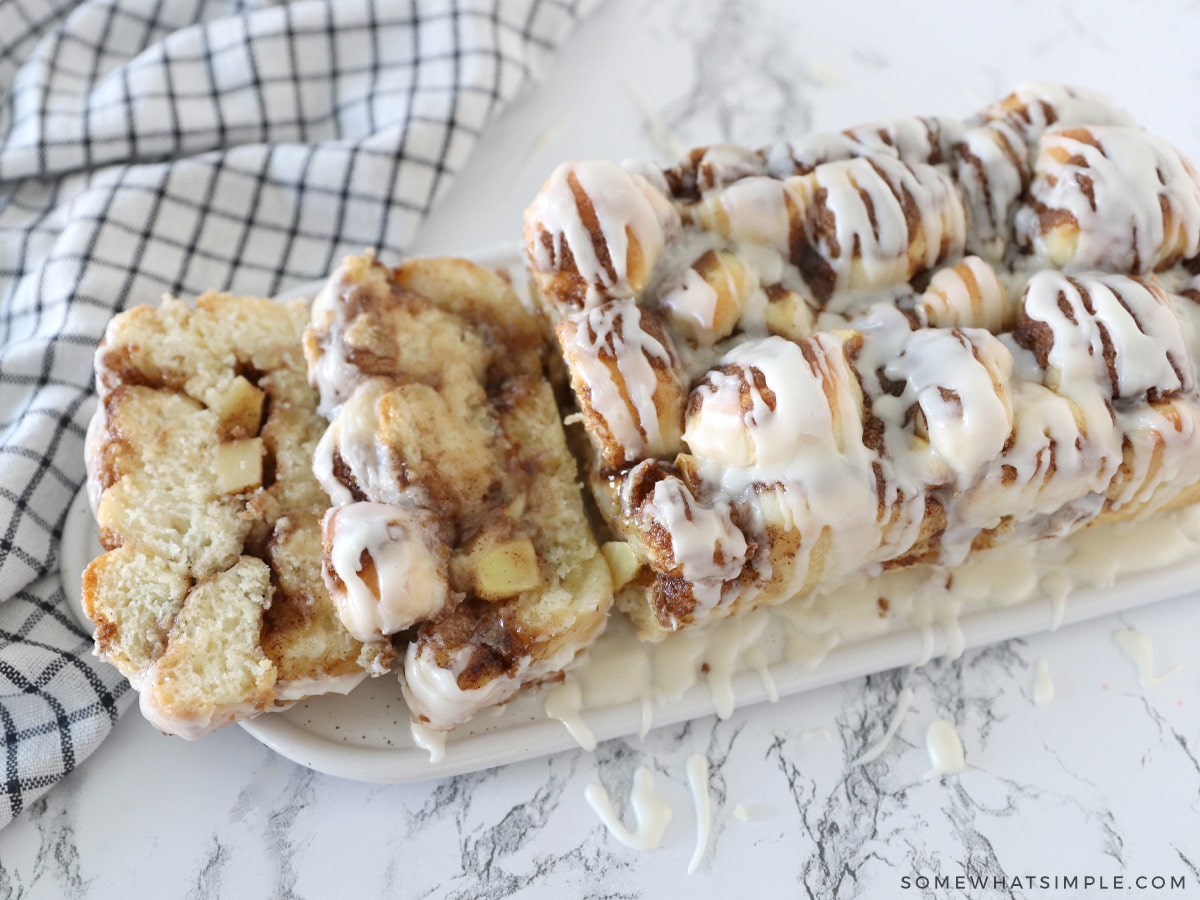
[(902, 343)]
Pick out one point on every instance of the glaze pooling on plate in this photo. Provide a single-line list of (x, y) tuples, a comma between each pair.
[(367, 734), (839, 641)]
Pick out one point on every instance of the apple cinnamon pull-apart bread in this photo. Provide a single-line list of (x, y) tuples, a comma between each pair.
[(895, 345), (457, 519), (210, 597)]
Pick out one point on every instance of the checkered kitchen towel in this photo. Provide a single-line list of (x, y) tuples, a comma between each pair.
[(169, 146)]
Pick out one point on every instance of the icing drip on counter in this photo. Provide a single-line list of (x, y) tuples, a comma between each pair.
[(725, 649), (650, 812), (1138, 648), (697, 775), (903, 702), (945, 750), (1043, 684)]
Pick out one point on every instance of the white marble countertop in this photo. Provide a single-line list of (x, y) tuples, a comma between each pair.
[(1103, 781)]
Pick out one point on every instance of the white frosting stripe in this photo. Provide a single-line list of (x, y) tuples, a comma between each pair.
[(844, 414), (959, 380), (1115, 198), (610, 223), (969, 294), (385, 567), (890, 221), (1095, 328), (1037, 105), (627, 376)]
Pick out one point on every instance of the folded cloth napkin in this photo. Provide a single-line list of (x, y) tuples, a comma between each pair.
[(152, 147)]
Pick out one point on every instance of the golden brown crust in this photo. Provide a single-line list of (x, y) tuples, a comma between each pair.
[(880, 360)]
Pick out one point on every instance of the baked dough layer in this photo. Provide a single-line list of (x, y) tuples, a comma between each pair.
[(457, 515), (897, 344), (209, 597)]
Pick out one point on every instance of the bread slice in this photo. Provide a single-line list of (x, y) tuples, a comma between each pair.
[(902, 343), (457, 515), (210, 597)]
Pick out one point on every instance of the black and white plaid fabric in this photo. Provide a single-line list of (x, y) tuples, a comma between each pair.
[(169, 146)]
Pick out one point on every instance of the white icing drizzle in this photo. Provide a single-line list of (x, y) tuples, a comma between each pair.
[(676, 664), (1094, 316), (1034, 106), (903, 702), (1043, 684), (716, 292), (955, 641), (991, 167), (433, 693), (912, 139), (734, 422), (697, 775), (1139, 648), (959, 379), (564, 703), (945, 750), (628, 211), (967, 295), (330, 372), (705, 544), (1133, 201), (866, 198), (692, 306), (429, 740), (756, 659), (1056, 586), (813, 734), (725, 648), (167, 721), (616, 670), (622, 369), (408, 561), (351, 436), (753, 210), (621, 670), (650, 812)]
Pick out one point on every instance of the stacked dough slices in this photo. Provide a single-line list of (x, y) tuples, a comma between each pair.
[(458, 521), (209, 597), (862, 351)]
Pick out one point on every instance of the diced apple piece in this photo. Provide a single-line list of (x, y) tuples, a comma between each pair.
[(506, 569), (239, 409), (239, 465), (622, 562)]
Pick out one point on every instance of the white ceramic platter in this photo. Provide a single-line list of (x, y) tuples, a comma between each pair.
[(366, 734)]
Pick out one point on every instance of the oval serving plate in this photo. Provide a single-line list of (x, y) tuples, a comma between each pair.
[(366, 735)]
